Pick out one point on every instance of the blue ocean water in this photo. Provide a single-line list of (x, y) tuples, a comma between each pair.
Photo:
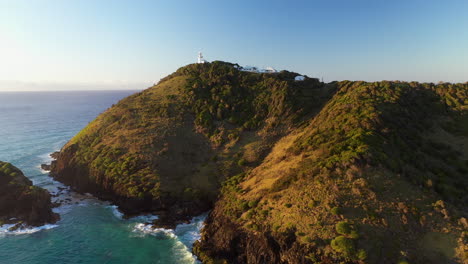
[(33, 125)]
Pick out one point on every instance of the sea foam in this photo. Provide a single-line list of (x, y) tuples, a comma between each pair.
[(184, 235), (115, 211), (5, 229), (148, 229)]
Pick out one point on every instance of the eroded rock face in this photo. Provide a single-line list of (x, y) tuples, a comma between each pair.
[(21, 201), (225, 240)]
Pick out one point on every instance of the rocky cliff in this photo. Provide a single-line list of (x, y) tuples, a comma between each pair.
[(20, 201)]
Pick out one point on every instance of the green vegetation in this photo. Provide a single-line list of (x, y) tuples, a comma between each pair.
[(361, 254), (187, 132), (22, 201), (335, 210), (373, 159), (343, 245), (314, 172), (343, 228)]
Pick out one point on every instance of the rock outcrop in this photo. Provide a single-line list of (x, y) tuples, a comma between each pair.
[(20, 201)]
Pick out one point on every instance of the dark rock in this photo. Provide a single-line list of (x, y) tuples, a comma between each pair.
[(54, 155), (15, 227), (45, 167), (20, 200)]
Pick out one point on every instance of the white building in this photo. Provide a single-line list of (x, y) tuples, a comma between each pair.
[(249, 69), (200, 58), (258, 70), (299, 78)]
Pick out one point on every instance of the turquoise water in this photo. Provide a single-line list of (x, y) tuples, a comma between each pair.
[(34, 124)]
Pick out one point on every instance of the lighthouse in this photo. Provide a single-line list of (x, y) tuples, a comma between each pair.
[(200, 58)]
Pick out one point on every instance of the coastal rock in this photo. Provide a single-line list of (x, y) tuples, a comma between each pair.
[(54, 155), (45, 167), (20, 201)]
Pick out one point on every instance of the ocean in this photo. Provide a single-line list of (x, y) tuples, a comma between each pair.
[(35, 124)]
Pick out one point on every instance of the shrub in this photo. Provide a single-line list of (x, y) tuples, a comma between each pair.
[(354, 234), (312, 257), (250, 214), (288, 205), (343, 228), (253, 203), (312, 204), (241, 162), (290, 227), (255, 227), (335, 210), (244, 205), (361, 254), (343, 245)]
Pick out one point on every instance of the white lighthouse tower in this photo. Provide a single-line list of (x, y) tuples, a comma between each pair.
[(200, 58)]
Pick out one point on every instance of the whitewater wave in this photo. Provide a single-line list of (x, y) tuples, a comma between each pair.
[(148, 229), (179, 249), (115, 211), (148, 218), (68, 199), (184, 235), (42, 170), (191, 232), (45, 157), (144, 218), (5, 229)]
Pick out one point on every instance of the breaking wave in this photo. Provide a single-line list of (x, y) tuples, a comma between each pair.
[(5, 229), (184, 235)]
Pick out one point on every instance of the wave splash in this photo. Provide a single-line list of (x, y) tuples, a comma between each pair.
[(5, 229), (184, 235)]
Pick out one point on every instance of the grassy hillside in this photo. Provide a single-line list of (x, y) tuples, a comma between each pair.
[(376, 177), (22, 202), (297, 172), (169, 147)]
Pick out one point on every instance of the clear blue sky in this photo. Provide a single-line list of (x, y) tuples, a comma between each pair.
[(138, 42)]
